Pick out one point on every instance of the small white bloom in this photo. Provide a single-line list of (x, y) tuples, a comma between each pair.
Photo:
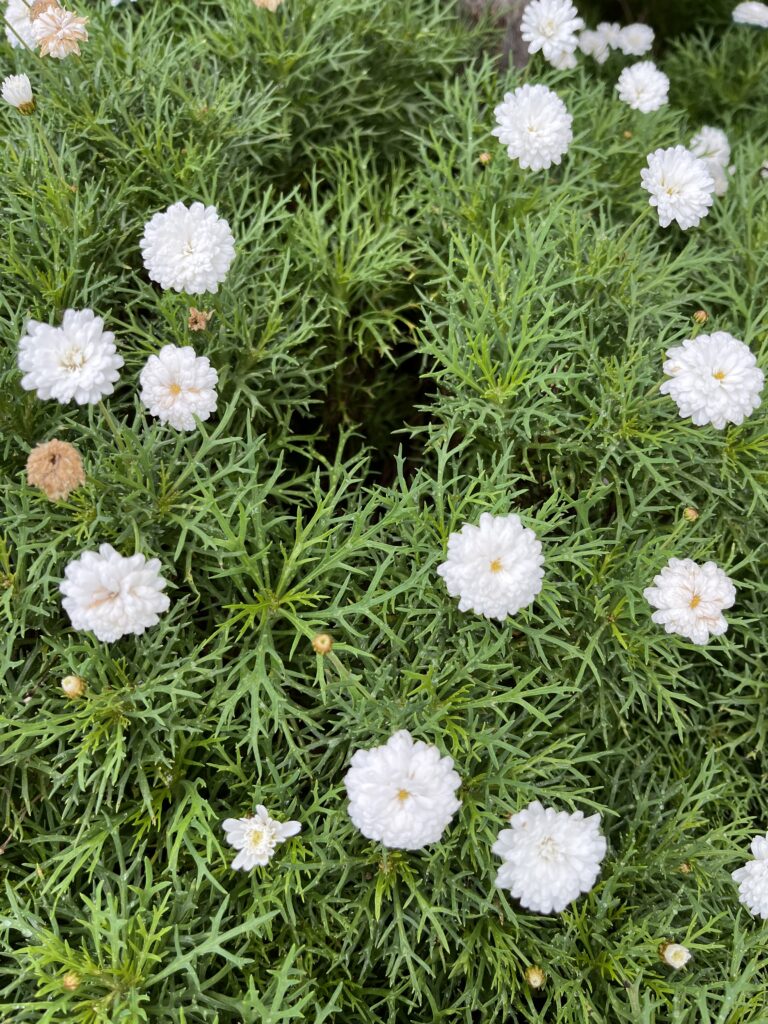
[(257, 837), (551, 26), (680, 184), (402, 793), (713, 379), (764, 170), (59, 32), (635, 40), (494, 568), (675, 955), (77, 361), (690, 599), (111, 595), (549, 857), (594, 44), (753, 879), (711, 144), (643, 86), (751, 14), (17, 90), (610, 31), (18, 24), (188, 249), (565, 61), (177, 385), (534, 125)]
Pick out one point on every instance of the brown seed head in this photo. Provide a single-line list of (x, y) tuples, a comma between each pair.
[(535, 977), (56, 468), (701, 316), (198, 318), (322, 643), (690, 514), (71, 981), (73, 686)]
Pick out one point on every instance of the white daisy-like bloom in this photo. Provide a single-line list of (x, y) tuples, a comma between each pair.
[(751, 14), (402, 794), (643, 87), (680, 185), (18, 24), (551, 26), (257, 837), (177, 385), (594, 44), (77, 361), (565, 61), (610, 31), (59, 32), (111, 595), (690, 599), (534, 125), (764, 170), (753, 879), (549, 857), (711, 145), (188, 249), (675, 955), (635, 40), (713, 378), (494, 568), (17, 90)]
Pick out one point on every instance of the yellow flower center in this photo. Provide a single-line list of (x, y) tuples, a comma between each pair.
[(719, 375), (496, 565), (175, 390), (402, 795), (695, 601)]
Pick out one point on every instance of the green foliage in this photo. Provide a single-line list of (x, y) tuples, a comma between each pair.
[(407, 338)]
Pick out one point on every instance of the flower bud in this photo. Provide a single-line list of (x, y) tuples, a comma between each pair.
[(485, 158), (73, 686), (71, 981), (675, 955), (535, 977), (322, 643), (691, 514), (701, 316)]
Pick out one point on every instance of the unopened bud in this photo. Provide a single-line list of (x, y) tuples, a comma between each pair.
[(71, 981), (685, 868), (485, 158), (674, 955), (627, 135), (690, 514), (535, 977), (322, 643), (73, 686), (701, 316)]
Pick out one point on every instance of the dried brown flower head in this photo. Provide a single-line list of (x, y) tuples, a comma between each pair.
[(56, 468), (701, 316), (58, 32), (691, 514), (73, 686), (198, 318), (685, 868), (322, 643), (535, 977), (37, 8)]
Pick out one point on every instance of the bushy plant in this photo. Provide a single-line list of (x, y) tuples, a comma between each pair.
[(411, 334)]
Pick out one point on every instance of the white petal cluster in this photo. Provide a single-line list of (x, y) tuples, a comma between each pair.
[(643, 86), (690, 599), (711, 145), (494, 568), (593, 43), (402, 793), (188, 249), (534, 125), (18, 24), (17, 90), (76, 361), (713, 378), (753, 879), (551, 26), (675, 955), (112, 595), (635, 40), (610, 31), (549, 857), (680, 185), (751, 13), (177, 385), (257, 837)]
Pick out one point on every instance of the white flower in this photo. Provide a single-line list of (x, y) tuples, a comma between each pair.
[(713, 379), (18, 24), (75, 361), (764, 170), (643, 86), (188, 249), (610, 31), (594, 44), (17, 90), (565, 61), (635, 40), (177, 385), (59, 32), (690, 599), (495, 568), (753, 879), (675, 955), (257, 837), (402, 793), (551, 26), (711, 144), (680, 184), (111, 595), (751, 14), (549, 857), (534, 125)]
